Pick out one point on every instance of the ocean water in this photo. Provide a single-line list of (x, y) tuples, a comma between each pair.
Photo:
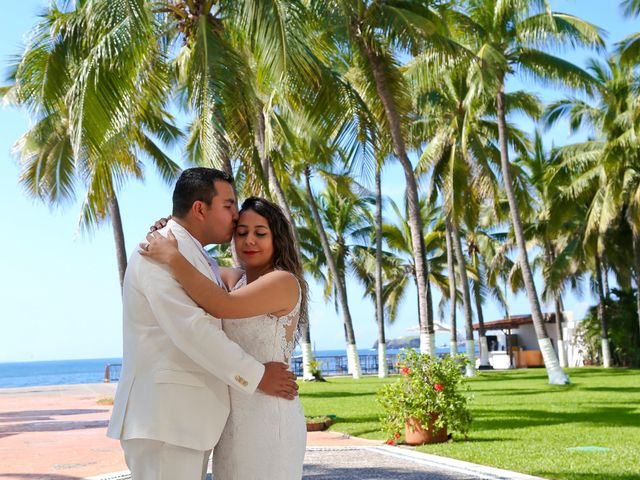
[(55, 372), (69, 372)]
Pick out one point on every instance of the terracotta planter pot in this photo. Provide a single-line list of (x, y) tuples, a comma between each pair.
[(319, 426), (316, 427), (414, 434)]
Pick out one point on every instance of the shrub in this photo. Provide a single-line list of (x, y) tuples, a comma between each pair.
[(426, 386), (622, 329)]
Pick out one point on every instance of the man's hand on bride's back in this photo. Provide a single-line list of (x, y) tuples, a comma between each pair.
[(159, 224), (278, 381)]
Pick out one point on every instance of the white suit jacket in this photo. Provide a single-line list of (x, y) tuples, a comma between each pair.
[(177, 361)]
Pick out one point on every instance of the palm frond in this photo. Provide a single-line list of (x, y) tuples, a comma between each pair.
[(546, 30), (630, 7), (554, 71)]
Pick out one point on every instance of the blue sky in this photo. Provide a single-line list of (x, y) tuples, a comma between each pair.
[(60, 295)]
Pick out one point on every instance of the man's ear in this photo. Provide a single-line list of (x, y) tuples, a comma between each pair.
[(197, 209)]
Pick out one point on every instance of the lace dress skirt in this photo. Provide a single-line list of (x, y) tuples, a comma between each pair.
[(264, 439), (265, 436)]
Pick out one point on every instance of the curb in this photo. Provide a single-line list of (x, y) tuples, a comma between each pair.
[(460, 466), (123, 475)]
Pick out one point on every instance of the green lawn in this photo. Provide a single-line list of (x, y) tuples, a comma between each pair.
[(520, 422)]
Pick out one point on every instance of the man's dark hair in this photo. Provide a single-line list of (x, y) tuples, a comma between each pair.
[(196, 184)]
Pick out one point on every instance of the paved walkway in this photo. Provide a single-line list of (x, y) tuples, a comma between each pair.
[(58, 433)]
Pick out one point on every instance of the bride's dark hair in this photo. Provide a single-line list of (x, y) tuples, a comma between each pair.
[(285, 254)]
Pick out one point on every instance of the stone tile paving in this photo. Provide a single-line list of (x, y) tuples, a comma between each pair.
[(381, 462)]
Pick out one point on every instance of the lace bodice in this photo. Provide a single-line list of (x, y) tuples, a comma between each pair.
[(266, 337)]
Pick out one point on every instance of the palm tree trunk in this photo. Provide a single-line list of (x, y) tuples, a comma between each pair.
[(483, 345), (453, 294), (427, 335), (482, 334), (430, 338), (605, 278), (562, 353), (556, 374), (557, 300), (258, 138), (470, 368), (604, 337), (305, 341), (382, 345), (307, 352), (274, 186), (226, 161), (281, 199), (226, 165), (636, 261), (118, 236), (352, 351)]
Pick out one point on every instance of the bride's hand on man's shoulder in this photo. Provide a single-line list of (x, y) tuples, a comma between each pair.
[(159, 248), (158, 224)]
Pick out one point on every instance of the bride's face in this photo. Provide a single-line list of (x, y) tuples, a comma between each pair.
[(253, 241)]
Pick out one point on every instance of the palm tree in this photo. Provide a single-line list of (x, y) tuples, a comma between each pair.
[(382, 344), (453, 291), (341, 216), (95, 83), (551, 223), (609, 165), (604, 334), (511, 35), (460, 158), (629, 47), (631, 7), (397, 235), (367, 115), (375, 32), (395, 275), (481, 246)]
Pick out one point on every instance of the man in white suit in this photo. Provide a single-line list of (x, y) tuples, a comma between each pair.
[(172, 400)]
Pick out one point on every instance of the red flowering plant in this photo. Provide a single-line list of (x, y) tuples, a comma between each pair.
[(428, 390)]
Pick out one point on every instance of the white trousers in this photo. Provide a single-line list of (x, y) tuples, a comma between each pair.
[(154, 460)]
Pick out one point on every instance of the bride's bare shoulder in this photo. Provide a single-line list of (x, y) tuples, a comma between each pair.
[(285, 281)]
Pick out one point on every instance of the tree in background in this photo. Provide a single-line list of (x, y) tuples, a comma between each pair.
[(510, 36), (623, 330), (95, 83)]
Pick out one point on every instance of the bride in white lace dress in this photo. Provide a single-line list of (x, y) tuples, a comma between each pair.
[(265, 436)]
